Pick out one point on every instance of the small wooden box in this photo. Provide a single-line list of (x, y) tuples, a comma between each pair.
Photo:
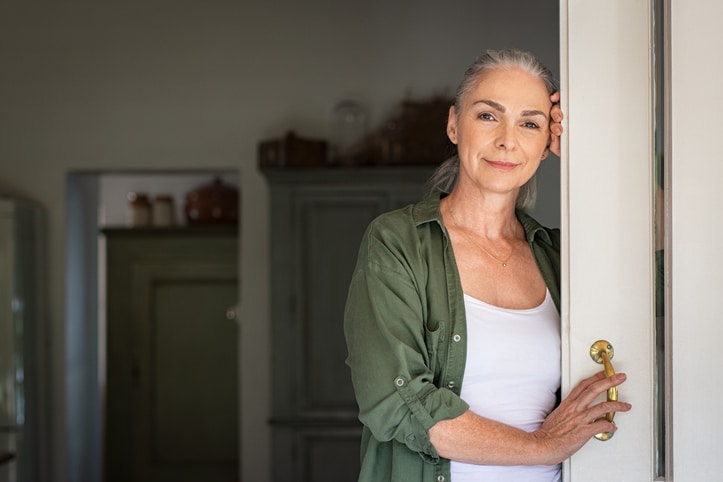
[(292, 151)]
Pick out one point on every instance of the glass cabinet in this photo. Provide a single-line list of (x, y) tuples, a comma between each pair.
[(20, 337)]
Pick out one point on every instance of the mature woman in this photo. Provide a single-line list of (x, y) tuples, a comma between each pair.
[(452, 321)]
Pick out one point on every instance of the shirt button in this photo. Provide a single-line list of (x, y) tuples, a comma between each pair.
[(399, 381), (450, 384), (440, 478), (456, 338)]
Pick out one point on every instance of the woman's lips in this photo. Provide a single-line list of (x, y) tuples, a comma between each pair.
[(501, 165)]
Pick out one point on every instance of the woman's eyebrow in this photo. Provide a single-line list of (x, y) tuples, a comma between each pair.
[(493, 104), (502, 108)]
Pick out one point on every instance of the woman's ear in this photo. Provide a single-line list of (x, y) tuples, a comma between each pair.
[(546, 152), (452, 125)]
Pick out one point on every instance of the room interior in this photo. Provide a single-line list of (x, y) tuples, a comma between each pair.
[(98, 100)]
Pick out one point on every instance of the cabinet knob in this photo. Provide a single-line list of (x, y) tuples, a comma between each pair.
[(231, 312)]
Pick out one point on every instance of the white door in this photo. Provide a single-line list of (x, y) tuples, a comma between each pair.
[(608, 201)]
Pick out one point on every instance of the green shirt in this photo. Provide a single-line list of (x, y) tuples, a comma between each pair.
[(406, 334)]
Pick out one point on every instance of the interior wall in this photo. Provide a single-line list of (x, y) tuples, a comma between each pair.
[(154, 85)]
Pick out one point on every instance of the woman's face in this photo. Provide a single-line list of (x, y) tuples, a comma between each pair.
[(502, 130)]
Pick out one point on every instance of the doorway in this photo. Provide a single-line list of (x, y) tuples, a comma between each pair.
[(182, 363)]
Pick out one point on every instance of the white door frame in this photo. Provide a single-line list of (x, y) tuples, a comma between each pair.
[(608, 259), (697, 230), (607, 220)]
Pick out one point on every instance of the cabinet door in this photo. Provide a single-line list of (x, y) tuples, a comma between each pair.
[(317, 226), (175, 368)]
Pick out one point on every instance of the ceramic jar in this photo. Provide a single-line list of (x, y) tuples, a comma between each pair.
[(139, 210), (213, 203)]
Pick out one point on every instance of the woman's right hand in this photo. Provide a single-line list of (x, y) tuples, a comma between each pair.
[(555, 124), (576, 420)]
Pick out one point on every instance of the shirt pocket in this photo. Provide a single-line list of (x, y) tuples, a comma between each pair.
[(434, 341)]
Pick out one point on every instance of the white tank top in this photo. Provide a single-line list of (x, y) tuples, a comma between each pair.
[(512, 375)]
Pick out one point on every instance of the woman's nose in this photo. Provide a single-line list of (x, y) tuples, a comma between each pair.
[(506, 136)]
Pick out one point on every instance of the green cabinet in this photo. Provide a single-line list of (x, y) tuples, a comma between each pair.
[(172, 362), (318, 217)]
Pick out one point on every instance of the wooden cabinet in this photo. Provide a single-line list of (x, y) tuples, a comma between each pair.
[(317, 220), (172, 364)]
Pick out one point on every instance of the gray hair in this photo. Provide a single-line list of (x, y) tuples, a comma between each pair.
[(445, 176)]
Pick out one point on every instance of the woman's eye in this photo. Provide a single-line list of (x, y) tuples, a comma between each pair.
[(530, 125), (486, 116)]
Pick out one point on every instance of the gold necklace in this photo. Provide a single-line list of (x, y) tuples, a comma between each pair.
[(502, 261)]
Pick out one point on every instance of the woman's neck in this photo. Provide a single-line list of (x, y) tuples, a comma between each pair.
[(492, 217)]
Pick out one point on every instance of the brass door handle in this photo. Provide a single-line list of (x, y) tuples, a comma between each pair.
[(602, 352)]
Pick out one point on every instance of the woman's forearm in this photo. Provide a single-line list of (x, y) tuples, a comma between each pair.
[(477, 440)]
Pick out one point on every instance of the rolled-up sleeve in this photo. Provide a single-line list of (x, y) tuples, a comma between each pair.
[(394, 347)]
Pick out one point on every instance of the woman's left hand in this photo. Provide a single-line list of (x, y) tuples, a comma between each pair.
[(579, 417), (555, 124)]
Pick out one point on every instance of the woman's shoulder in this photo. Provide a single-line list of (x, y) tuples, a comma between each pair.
[(392, 224), (402, 240), (406, 219), (538, 233)]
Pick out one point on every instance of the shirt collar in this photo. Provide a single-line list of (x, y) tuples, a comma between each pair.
[(427, 211)]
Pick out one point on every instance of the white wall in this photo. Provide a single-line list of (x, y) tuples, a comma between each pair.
[(151, 85)]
